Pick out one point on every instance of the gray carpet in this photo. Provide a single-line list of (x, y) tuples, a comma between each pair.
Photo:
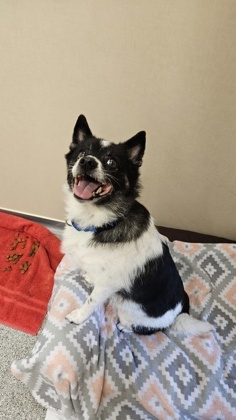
[(16, 402)]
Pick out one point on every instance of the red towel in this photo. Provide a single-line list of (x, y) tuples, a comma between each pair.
[(29, 255)]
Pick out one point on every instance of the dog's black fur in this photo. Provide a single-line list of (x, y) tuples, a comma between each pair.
[(155, 286)]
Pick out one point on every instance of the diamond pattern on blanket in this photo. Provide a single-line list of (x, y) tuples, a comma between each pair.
[(189, 250), (199, 290), (46, 394), (228, 294), (95, 386), (131, 410), (183, 267), (217, 407), (148, 344), (214, 267), (125, 369), (228, 380), (64, 302), (229, 250), (207, 350), (150, 395), (110, 391), (185, 378), (60, 367), (225, 323), (93, 371)]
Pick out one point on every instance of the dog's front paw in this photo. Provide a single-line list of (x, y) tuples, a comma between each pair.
[(76, 317)]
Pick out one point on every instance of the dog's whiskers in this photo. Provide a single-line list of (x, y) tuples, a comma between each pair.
[(111, 178)]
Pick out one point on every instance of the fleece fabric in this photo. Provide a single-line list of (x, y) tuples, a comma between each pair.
[(29, 256)]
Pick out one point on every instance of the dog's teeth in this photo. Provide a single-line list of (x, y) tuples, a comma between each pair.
[(99, 190)]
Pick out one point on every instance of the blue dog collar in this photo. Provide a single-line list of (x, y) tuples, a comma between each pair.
[(87, 229), (91, 228)]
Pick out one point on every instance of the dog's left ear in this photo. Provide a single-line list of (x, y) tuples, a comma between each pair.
[(136, 147)]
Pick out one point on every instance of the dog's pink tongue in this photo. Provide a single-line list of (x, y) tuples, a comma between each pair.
[(85, 189)]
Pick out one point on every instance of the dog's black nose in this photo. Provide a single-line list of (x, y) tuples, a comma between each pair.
[(88, 163)]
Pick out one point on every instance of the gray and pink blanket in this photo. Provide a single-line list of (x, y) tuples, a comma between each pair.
[(94, 371)]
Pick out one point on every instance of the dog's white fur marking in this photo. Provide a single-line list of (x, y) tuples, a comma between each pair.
[(94, 259), (111, 277), (108, 264), (187, 324), (100, 267), (88, 215), (105, 143), (98, 172), (130, 313)]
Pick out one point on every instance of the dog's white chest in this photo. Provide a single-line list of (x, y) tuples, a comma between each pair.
[(78, 245), (110, 263)]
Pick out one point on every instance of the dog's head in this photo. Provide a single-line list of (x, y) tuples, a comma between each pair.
[(100, 171)]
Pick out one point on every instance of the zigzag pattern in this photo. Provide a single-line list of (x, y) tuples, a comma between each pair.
[(94, 371)]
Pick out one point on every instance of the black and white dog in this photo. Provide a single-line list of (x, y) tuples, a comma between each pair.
[(114, 240)]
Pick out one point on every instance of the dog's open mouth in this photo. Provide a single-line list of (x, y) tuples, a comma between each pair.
[(87, 188)]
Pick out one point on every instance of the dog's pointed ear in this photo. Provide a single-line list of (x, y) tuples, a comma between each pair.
[(81, 131), (136, 147)]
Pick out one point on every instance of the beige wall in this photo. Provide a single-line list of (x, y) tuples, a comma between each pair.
[(168, 67)]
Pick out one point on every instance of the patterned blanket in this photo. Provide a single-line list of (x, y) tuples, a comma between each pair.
[(94, 371)]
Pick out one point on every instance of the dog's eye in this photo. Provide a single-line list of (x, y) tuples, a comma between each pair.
[(111, 163)]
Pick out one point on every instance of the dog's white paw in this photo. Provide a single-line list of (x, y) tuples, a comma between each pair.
[(76, 316)]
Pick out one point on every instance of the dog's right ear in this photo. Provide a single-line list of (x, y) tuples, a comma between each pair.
[(81, 131)]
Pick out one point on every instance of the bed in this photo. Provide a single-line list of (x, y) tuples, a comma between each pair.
[(94, 371)]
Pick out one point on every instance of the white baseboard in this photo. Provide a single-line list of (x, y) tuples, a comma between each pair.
[(33, 217)]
